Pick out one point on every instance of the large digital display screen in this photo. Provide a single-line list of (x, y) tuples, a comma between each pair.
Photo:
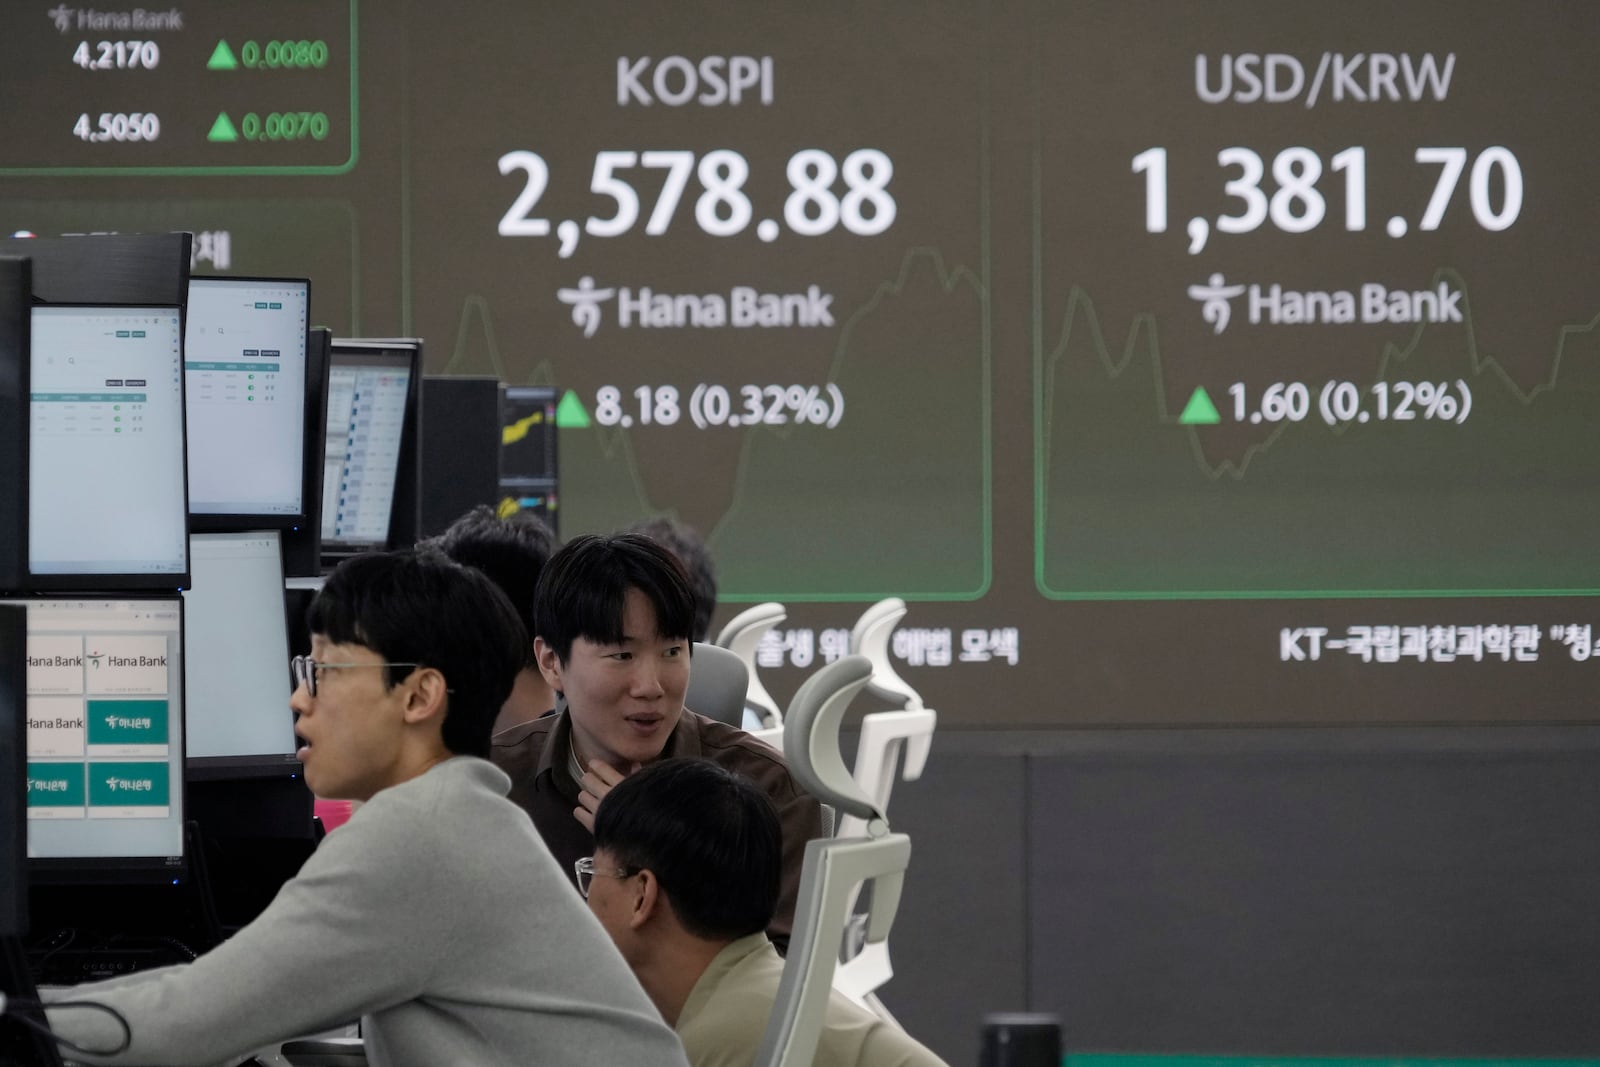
[(1178, 364)]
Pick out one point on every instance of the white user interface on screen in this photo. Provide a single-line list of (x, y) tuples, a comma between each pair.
[(236, 672), (105, 728), (105, 461), (245, 365), (366, 417)]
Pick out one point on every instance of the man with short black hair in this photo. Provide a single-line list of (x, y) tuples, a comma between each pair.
[(684, 877), (684, 542), (612, 620), (399, 917), (512, 550)]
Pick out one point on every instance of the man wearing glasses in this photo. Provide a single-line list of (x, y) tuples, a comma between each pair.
[(400, 916), (684, 876), (613, 618)]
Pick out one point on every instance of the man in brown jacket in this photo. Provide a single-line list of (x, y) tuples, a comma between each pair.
[(612, 619)]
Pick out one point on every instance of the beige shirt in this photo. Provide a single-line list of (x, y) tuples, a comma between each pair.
[(726, 1014)]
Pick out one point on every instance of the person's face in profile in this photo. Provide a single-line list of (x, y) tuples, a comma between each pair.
[(613, 898), (351, 732), (624, 699)]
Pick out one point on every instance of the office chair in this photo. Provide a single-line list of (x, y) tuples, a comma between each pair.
[(833, 868), (718, 681), (885, 734), (742, 635)]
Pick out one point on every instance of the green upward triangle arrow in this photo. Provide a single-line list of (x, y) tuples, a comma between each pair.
[(223, 129), (570, 413), (1200, 411), (222, 58)]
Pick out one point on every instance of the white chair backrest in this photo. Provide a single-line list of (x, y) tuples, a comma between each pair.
[(870, 638), (717, 683), (742, 636), (884, 735), (834, 867)]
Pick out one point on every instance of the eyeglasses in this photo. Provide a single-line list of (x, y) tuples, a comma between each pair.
[(586, 871), (306, 670)]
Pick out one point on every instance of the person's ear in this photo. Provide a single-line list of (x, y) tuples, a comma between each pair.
[(647, 900), (549, 663), (426, 694)]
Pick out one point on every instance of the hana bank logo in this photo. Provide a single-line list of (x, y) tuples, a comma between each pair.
[(62, 16), (95, 658), (585, 301), (1214, 299)]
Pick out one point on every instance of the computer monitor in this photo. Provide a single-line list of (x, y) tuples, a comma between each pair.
[(245, 384), (370, 465), (107, 500), (461, 467), (528, 458), (105, 737), (15, 320), (13, 771), (236, 670)]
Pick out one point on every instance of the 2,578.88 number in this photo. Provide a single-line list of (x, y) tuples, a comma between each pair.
[(723, 209)]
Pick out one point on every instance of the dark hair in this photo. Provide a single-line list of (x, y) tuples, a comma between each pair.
[(584, 589), (711, 838), (512, 551), (418, 606), (682, 541)]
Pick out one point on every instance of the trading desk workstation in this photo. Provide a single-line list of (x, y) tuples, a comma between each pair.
[(193, 456), (186, 455)]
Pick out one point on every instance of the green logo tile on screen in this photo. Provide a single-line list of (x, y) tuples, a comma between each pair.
[(55, 785), (127, 722), (129, 785)]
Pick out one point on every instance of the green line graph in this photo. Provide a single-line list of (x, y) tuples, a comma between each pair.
[(1133, 505), (893, 501)]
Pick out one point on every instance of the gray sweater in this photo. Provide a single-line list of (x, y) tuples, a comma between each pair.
[(438, 916)]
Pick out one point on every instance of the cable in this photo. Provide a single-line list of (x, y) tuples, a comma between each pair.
[(41, 1028)]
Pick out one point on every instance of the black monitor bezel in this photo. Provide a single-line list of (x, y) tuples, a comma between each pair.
[(407, 492), (14, 771), (114, 581), (16, 371), (126, 870), (250, 765), (302, 544), (244, 521)]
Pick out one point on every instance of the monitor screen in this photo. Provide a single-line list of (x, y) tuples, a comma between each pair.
[(245, 372), (528, 468), (236, 672), (369, 398), (106, 494), (105, 732)]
